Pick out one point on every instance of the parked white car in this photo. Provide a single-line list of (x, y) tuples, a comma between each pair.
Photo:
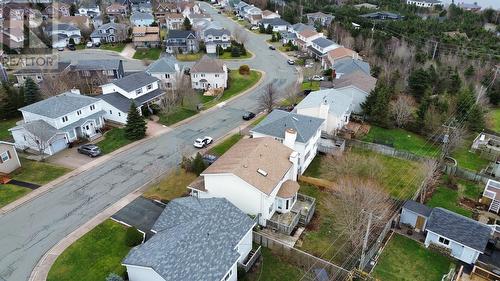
[(90, 44), (201, 143), (317, 78)]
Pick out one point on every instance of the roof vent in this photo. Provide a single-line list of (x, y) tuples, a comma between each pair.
[(262, 172), (295, 118), (245, 166)]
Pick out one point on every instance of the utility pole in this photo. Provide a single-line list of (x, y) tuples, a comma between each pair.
[(435, 50), (365, 241)]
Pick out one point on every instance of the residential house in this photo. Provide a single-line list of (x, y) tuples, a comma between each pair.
[(299, 27), (208, 73), (139, 88), (187, 8), (381, 15), (358, 85), (181, 41), (195, 239), (51, 124), (216, 37), (143, 7), (277, 24), (491, 196), (366, 6), (90, 9), (346, 66), (82, 22), (288, 37), (9, 160), (40, 73), (487, 145), (415, 215), (56, 10), (164, 8), (424, 3), (321, 46), (338, 53), (88, 69), (168, 70), (146, 36), (193, 18), (319, 18), (172, 21), (299, 132), (266, 14), (252, 14), (305, 38), (117, 9), (257, 175), (110, 33), (473, 7), (331, 105), (61, 33), (239, 7), (13, 34), (141, 19)]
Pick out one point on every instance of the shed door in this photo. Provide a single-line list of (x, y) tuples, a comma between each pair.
[(419, 225)]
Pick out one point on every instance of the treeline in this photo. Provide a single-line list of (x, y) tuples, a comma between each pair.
[(11, 99)]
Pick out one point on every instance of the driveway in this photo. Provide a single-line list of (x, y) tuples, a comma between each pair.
[(29, 231), (128, 52), (69, 158)]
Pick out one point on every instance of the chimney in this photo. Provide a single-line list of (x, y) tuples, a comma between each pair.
[(294, 158), (290, 137), (324, 107)]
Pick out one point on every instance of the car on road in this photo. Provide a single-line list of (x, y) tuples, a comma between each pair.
[(317, 78), (271, 47), (89, 44), (201, 143), (290, 62), (60, 49), (248, 115), (91, 150), (254, 27), (219, 12)]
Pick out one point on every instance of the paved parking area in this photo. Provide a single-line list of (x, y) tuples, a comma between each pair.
[(69, 158), (141, 214)]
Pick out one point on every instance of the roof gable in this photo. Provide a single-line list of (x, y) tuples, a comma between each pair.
[(59, 105)]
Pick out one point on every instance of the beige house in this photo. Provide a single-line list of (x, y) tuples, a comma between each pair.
[(9, 161), (146, 36)]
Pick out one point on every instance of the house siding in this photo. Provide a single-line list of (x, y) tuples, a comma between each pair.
[(114, 114), (13, 163), (215, 82), (245, 245), (409, 217), (458, 251), (139, 273)]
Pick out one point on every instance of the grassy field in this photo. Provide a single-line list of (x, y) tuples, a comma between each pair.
[(116, 47), (9, 193), (189, 57), (38, 172), (224, 146), (272, 268), (5, 125), (494, 120), (94, 256), (406, 260), (113, 139), (310, 85), (176, 115), (402, 140), (236, 85), (467, 159), (147, 54), (171, 186), (227, 56)]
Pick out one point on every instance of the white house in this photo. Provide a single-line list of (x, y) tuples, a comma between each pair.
[(266, 14), (321, 46), (141, 19), (277, 24), (138, 88), (9, 160), (423, 3), (167, 70), (216, 37), (89, 9), (299, 132), (209, 73), (358, 85), (305, 38), (331, 105), (196, 240), (61, 33), (51, 124)]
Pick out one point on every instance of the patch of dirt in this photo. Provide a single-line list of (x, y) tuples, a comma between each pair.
[(469, 203), (314, 224)]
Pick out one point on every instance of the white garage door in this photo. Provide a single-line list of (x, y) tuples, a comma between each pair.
[(58, 145)]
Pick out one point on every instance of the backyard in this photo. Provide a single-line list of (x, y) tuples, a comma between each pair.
[(467, 159), (224, 146), (93, 256), (271, 268), (407, 260), (172, 186), (176, 115), (113, 139), (494, 120), (147, 54), (310, 85), (5, 125), (116, 47)]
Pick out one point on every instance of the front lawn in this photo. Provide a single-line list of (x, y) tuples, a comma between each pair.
[(224, 146), (310, 85), (189, 57), (406, 260), (172, 186), (116, 47), (93, 256), (113, 139), (272, 268), (147, 54), (10, 192), (237, 84), (38, 172), (175, 116), (227, 56), (402, 140), (5, 125)]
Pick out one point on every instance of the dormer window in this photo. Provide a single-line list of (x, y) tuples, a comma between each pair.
[(149, 87)]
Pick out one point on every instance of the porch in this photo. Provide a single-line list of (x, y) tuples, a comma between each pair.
[(301, 214)]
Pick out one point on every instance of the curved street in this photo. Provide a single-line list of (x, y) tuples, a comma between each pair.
[(27, 232)]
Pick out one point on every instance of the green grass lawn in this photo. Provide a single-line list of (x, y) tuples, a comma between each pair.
[(81, 46), (116, 47), (406, 260), (5, 125), (38, 172), (147, 54), (224, 146), (113, 139), (227, 56), (9, 193), (172, 186), (236, 85), (94, 256), (272, 268), (448, 198), (494, 120), (310, 85), (402, 140), (258, 120), (189, 57), (467, 159), (176, 115)]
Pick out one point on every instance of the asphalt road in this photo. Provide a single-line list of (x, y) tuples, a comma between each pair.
[(32, 229)]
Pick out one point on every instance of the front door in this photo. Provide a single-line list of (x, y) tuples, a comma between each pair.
[(89, 129), (419, 225)]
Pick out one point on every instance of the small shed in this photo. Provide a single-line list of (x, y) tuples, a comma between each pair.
[(415, 215)]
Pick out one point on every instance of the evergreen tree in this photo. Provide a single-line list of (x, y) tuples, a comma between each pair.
[(235, 52), (469, 71), (71, 42), (262, 29), (494, 93), (243, 50), (273, 38), (12, 100), (376, 105), (455, 83), (187, 24), (31, 92), (136, 125), (197, 165), (418, 82), (475, 118), (269, 29), (73, 10)]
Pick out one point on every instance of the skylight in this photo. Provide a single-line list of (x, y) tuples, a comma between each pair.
[(262, 172)]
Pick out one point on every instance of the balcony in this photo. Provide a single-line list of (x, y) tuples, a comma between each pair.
[(250, 259), (301, 214)]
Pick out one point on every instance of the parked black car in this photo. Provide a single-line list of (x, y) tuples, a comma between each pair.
[(71, 47), (272, 47), (209, 159), (248, 115), (91, 150)]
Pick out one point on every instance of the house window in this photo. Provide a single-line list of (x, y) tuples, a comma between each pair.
[(228, 275), (287, 204), (149, 87), (217, 75), (271, 208), (119, 114), (65, 119), (194, 193), (110, 112), (138, 91), (167, 75), (39, 77), (5, 156), (444, 241), (92, 107), (78, 112), (202, 75), (169, 85)]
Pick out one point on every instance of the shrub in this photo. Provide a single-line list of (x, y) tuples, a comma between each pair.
[(235, 52), (197, 165), (133, 237), (114, 277), (244, 69)]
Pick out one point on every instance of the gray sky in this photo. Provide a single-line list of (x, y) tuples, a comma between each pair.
[(483, 3)]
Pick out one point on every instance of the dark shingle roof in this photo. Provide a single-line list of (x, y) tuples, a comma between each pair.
[(96, 65), (59, 105), (135, 81), (208, 65), (122, 103), (165, 64), (275, 22), (180, 34), (458, 228), (349, 65), (278, 121), (217, 32), (61, 27), (323, 42), (195, 240), (418, 208)]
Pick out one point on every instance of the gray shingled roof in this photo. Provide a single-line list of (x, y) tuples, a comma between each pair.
[(339, 101), (418, 208), (60, 27), (195, 240), (135, 81), (299, 27), (141, 16), (349, 65), (96, 65), (217, 32), (208, 65), (458, 228), (39, 128), (59, 105), (183, 34), (165, 64), (278, 121), (323, 42), (275, 22), (122, 103)]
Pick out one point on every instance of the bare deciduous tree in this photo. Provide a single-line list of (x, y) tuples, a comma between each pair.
[(455, 139), (402, 110), (431, 176), (268, 99), (240, 35), (36, 138)]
